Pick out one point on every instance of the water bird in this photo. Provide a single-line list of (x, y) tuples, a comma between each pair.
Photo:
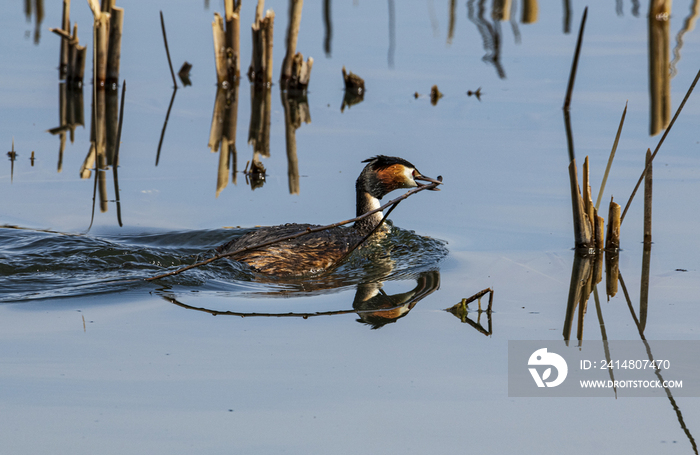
[(317, 252)]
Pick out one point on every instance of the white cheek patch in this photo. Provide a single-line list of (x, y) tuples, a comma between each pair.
[(409, 182)]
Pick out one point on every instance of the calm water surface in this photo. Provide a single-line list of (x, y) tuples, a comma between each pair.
[(94, 360)]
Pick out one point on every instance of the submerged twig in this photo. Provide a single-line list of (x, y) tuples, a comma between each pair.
[(658, 146), (298, 234)]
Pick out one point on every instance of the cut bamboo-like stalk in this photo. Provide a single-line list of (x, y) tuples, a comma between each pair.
[(612, 239), (599, 232), (65, 26), (659, 59), (295, 7), (260, 71), (217, 120), (648, 184), (233, 33), (612, 271), (115, 45), (78, 65), (219, 49), (582, 229), (269, 25), (101, 48), (530, 11), (587, 199)]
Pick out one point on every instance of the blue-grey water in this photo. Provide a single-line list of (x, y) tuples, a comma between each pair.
[(96, 360)]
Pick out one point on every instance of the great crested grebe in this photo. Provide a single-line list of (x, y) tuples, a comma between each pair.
[(316, 252)]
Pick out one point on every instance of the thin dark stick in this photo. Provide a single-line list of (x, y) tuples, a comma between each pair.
[(165, 123), (94, 189), (165, 39), (298, 234), (574, 64), (115, 164), (661, 141)]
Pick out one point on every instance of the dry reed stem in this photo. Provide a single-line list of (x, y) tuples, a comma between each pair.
[(612, 240), (661, 141), (610, 159), (648, 186)]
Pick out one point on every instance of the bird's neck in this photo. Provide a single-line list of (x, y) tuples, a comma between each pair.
[(366, 203)]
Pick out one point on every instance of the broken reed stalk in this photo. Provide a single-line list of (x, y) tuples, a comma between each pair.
[(65, 26), (101, 43), (583, 234), (167, 52), (115, 46), (74, 68), (233, 42), (295, 7), (260, 70), (574, 64), (298, 234), (219, 49), (661, 141), (610, 159), (612, 239)]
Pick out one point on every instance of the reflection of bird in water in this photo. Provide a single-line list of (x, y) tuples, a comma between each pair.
[(376, 308), (317, 252)]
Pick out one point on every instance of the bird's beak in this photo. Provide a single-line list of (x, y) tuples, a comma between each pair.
[(428, 179)]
